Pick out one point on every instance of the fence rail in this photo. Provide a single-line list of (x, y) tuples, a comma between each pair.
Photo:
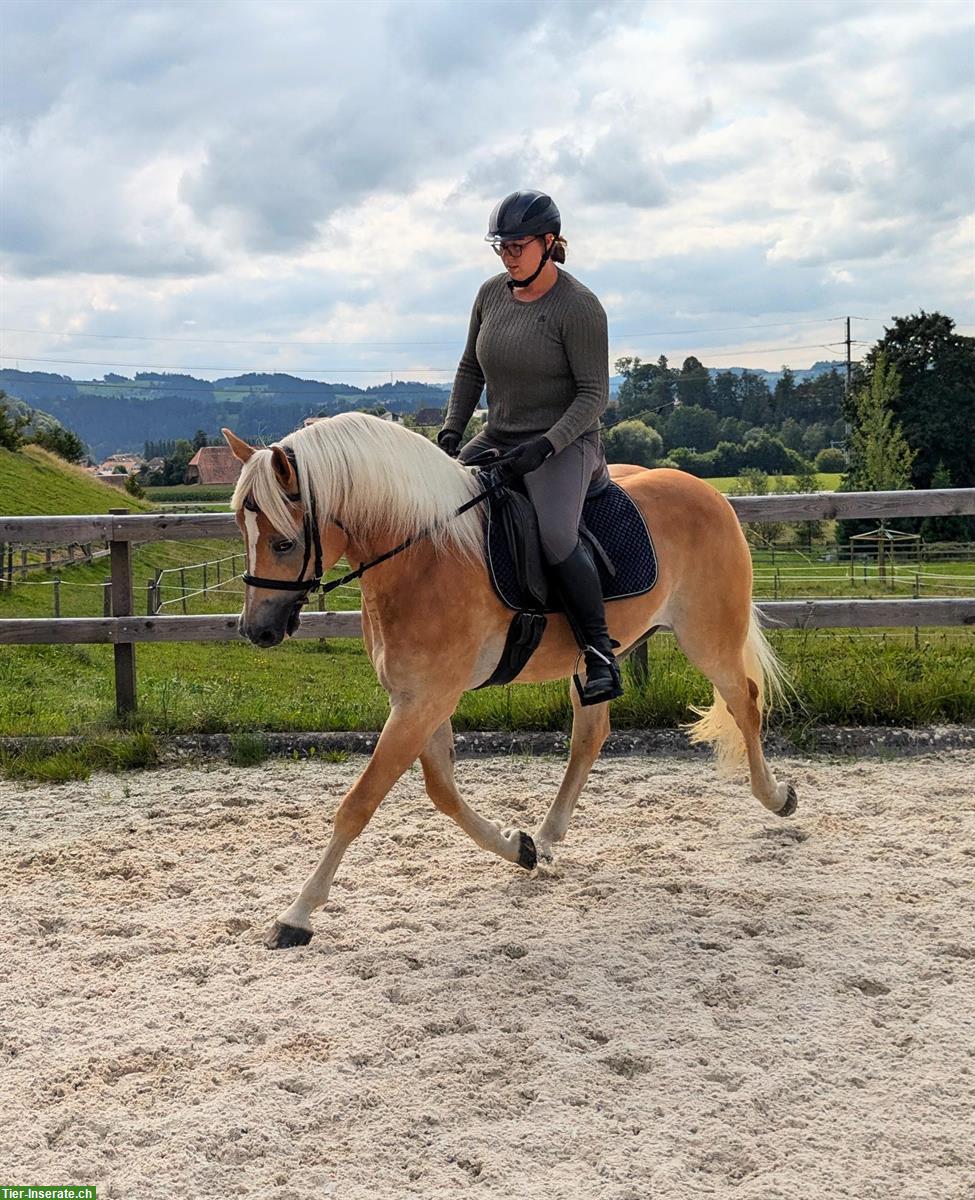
[(120, 628)]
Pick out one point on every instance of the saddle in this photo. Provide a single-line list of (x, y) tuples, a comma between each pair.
[(618, 539)]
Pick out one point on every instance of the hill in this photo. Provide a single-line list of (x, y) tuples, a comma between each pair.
[(119, 413), (34, 483)]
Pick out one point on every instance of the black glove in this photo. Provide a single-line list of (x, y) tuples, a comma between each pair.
[(449, 442), (524, 459)]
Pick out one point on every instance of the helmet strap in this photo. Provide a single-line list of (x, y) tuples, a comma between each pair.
[(520, 283)]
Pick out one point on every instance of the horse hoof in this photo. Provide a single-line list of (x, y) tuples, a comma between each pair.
[(791, 803), (527, 856), (283, 937)]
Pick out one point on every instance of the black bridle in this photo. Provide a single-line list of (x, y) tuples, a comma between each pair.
[(313, 542)]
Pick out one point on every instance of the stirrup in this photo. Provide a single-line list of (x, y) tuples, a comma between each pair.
[(608, 691)]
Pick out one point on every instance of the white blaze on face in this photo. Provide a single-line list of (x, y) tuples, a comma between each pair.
[(250, 523)]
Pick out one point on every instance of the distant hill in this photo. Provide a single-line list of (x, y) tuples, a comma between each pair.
[(118, 413), (34, 483)]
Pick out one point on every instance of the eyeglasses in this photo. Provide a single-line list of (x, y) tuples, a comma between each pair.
[(512, 249)]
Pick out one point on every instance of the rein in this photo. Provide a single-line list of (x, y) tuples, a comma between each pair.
[(312, 539)]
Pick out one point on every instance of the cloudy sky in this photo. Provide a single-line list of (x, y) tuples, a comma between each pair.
[(304, 186)]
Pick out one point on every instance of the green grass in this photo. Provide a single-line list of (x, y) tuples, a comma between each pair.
[(191, 493), (724, 483), (51, 764), (34, 482), (247, 749), (877, 677)]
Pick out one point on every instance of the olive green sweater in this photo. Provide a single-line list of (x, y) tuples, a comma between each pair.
[(545, 363)]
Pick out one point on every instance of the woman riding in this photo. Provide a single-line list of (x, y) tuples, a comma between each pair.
[(538, 340)]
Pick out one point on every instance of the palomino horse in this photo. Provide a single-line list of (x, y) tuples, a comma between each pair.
[(357, 486)]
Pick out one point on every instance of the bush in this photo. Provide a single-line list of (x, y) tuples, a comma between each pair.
[(632, 442), (831, 461)]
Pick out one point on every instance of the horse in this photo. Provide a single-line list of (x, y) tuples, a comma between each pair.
[(359, 486)]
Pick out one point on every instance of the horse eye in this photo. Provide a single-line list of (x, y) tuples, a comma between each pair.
[(282, 547)]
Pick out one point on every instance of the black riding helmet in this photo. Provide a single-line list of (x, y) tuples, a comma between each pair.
[(524, 214)]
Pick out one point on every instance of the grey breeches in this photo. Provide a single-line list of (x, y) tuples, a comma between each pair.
[(557, 489)]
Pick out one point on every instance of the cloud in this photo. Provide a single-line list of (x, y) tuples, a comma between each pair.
[(296, 171)]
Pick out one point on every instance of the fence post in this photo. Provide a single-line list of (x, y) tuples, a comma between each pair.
[(150, 610), (641, 667), (10, 568), (106, 597), (122, 606), (47, 558), (57, 595), (23, 562), (205, 565), (182, 585)]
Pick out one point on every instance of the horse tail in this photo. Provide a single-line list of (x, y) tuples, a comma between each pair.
[(716, 725)]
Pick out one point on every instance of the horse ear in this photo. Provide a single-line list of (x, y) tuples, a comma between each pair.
[(242, 451), (283, 471)]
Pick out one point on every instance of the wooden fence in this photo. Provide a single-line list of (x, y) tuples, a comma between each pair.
[(123, 629)]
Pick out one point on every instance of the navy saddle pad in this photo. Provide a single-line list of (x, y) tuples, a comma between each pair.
[(616, 522)]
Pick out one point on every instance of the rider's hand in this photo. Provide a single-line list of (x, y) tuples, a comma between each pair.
[(449, 442), (525, 458)]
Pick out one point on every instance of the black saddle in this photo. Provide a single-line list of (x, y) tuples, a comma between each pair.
[(619, 540)]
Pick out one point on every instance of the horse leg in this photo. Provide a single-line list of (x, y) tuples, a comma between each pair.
[(737, 675), (403, 737), (590, 728), (437, 761)]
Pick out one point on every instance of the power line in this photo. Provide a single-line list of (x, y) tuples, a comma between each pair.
[(142, 337), (376, 370)]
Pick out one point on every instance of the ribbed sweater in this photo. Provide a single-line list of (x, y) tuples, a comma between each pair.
[(545, 363)]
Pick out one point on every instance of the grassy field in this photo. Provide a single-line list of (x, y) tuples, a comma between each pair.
[(882, 678), (724, 483), (190, 493), (34, 482)]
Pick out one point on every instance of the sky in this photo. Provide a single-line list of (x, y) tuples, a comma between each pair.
[(305, 186)]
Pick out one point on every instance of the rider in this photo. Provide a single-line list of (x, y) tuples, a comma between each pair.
[(538, 340)]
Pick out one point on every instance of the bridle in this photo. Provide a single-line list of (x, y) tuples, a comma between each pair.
[(313, 544)]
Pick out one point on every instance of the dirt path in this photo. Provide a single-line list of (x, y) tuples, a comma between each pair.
[(697, 999)]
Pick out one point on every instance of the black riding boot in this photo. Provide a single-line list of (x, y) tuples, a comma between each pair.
[(582, 594)]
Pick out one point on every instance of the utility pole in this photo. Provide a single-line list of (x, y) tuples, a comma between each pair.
[(849, 361)]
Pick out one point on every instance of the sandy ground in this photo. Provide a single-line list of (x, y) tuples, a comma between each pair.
[(696, 999)]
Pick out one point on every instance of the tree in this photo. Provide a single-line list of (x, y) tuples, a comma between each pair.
[(815, 437), (785, 397), (12, 424), (725, 395), (200, 440), (174, 468), (694, 383), (692, 426), (945, 529), (645, 386), (756, 407), (805, 479), (791, 434), (936, 400), (753, 482), (632, 442), (880, 458), (60, 441)]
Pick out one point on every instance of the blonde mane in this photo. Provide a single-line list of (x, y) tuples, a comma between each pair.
[(380, 480)]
